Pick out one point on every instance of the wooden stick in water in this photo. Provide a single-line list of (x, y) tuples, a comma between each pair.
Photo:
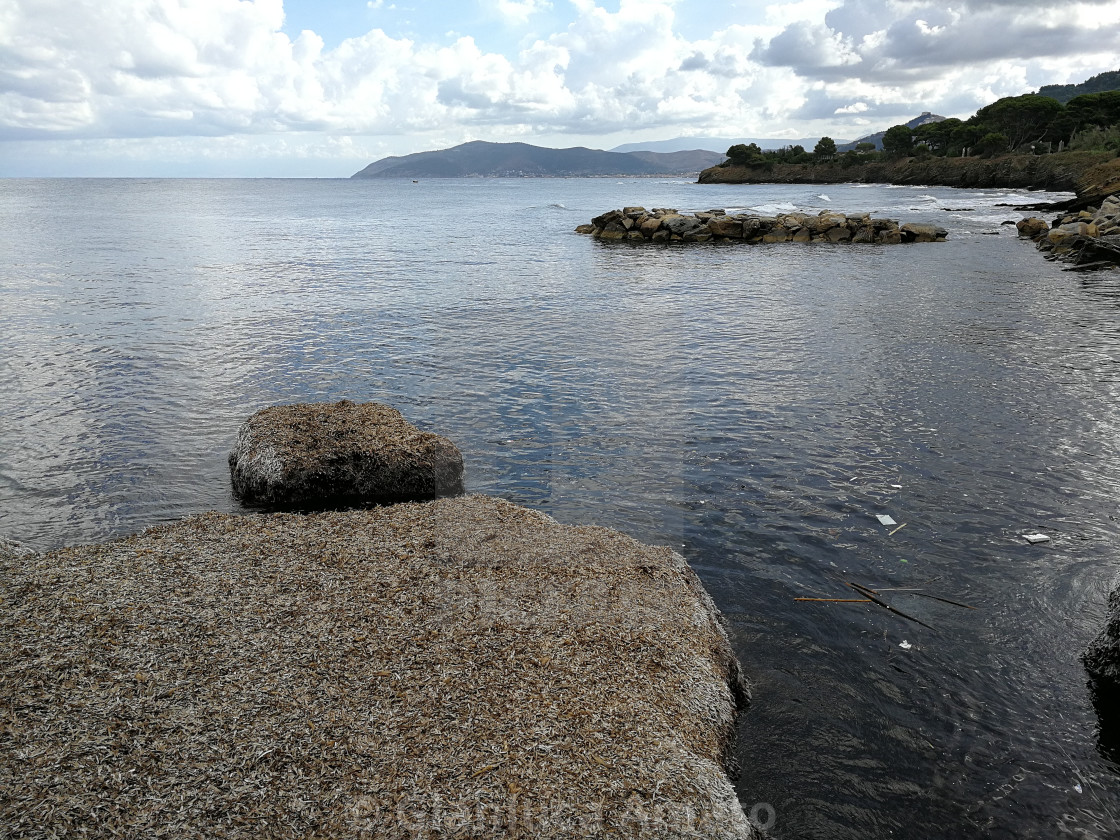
[(945, 600), (870, 594)]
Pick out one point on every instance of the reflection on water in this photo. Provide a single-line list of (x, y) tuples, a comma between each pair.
[(755, 407)]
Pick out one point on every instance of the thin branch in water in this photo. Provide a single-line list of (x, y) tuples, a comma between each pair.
[(871, 596)]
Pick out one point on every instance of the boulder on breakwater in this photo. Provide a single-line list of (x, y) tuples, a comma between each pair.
[(1087, 238), (460, 667), (638, 225), (322, 454)]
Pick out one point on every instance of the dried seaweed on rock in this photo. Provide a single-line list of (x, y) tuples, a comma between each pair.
[(459, 668), (321, 454)]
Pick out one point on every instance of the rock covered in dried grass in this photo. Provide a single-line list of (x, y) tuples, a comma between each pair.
[(323, 454), (464, 667)]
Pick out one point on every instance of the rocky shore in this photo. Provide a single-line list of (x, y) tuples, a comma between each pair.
[(638, 225), (1064, 172), (462, 667), (1087, 238)]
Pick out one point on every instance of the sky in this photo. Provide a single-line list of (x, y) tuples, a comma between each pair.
[(320, 88)]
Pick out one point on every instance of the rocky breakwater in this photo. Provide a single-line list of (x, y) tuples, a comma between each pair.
[(462, 667), (1087, 238), (638, 225)]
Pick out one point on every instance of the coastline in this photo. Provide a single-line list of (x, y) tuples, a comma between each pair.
[(1088, 174)]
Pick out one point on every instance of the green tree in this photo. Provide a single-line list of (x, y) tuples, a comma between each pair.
[(744, 154), (898, 139), (1097, 140), (936, 135), (1023, 119), (991, 144), (865, 147), (825, 148), (964, 138), (1085, 112)]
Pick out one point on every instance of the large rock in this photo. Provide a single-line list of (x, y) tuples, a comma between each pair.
[(914, 232), (1109, 209), (1102, 657), (1031, 228), (323, 454), (680, 225), (464, 667), (1061, 235), (724, 226), (778, 233)]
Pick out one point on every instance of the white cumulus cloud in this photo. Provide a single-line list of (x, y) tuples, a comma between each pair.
[(132, 69)]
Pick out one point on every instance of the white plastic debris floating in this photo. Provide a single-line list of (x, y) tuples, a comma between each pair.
[(885, 519), (1036, 538), (905, 645)]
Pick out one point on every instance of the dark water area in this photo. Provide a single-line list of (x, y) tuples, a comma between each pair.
[(754, 407)]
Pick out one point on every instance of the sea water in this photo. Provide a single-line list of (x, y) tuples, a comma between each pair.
[(754, 407)]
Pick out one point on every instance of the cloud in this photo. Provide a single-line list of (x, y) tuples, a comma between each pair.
[(519, 11), (132, 69), (864, 39), (811, 49)]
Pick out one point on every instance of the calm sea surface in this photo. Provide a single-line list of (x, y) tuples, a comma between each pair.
[(754, 407)]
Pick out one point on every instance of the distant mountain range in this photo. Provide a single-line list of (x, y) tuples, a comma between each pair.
[(716, 144), (877, 137), (684, 156), (482, 159)]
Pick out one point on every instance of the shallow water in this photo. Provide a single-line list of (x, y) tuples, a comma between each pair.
[(754, 407)]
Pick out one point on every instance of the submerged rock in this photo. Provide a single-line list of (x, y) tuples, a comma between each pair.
[(1102, 657), (322, 454), (463, 667)]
